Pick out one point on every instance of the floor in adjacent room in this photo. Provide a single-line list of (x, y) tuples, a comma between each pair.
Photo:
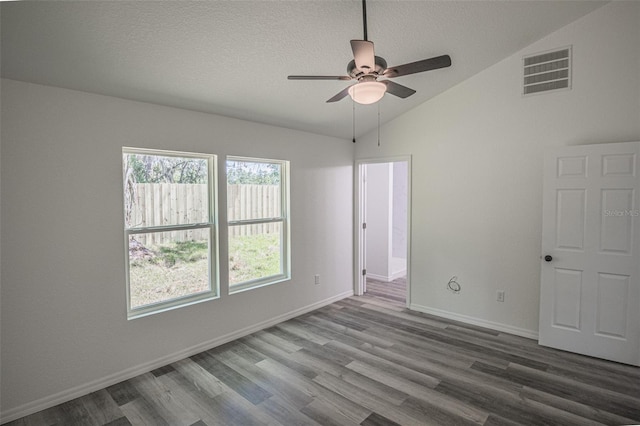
[(369, 361), (393, 292)]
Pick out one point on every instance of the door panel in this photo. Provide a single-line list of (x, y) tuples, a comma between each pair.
[(570, 222), (590, 289), (616, 228), (611, 306), (567, 300), (572, 167), (619, 165)]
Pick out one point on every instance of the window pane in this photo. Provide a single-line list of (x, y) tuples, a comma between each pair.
[(253, 190), (168, 265), (163, 190), (254, 251)]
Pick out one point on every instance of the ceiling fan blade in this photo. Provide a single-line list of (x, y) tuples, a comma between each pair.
[(419, 66), (319, 77), (340, 95), (398, 89), (364, 55)]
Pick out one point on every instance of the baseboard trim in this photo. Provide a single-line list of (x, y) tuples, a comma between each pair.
[(398, 274), (385, 279), (523, 332), (95, 385), (378, 277)]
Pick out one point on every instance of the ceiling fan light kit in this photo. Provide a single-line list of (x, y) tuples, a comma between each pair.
[(367, 92), (366, 68)]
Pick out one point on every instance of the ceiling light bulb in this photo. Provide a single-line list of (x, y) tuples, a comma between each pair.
[(367, 92)]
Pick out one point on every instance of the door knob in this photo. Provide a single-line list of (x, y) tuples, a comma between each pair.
[(548, 258)]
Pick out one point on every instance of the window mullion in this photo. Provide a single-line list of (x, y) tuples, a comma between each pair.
[(256, 221), (167, 228)]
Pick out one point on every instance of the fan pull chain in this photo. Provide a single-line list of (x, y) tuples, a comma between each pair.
[(378, 123), (354, 120)]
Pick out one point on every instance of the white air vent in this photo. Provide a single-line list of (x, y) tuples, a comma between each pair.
[(547, 71)]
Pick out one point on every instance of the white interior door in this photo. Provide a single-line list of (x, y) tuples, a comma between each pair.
[(590, 285), (363, 226)]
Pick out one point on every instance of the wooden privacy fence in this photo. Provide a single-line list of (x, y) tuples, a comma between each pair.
[(253, 202), (161, 204)]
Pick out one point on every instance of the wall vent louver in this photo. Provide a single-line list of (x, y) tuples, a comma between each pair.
[(548, 71)]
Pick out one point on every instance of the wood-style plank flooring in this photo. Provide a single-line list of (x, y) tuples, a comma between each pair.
[(367, 361)]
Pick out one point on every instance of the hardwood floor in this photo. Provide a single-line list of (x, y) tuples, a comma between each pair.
[(369, 361), (393, 292)]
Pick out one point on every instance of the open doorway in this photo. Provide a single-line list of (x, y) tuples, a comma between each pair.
[(382, 223)]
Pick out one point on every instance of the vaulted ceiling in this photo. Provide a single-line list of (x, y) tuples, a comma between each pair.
[(233, 57)]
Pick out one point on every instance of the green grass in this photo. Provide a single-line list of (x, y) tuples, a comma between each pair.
[(253, 256), (184, 252), (177, 269), (181, 268)]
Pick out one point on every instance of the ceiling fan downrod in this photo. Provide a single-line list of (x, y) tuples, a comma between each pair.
[(364, 18)]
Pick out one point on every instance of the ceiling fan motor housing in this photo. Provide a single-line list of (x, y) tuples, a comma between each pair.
[(354, 72)]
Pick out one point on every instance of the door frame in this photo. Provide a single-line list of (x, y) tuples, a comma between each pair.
[(359, 212)]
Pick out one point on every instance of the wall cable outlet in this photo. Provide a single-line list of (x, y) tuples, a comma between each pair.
[(453, 285)]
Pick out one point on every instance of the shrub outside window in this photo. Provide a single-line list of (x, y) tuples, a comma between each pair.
[(258, 222), (170, 229)]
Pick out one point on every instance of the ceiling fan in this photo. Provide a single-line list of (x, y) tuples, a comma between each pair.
[(366, 68)]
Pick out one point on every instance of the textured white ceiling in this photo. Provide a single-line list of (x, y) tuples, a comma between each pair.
[(233, 57)]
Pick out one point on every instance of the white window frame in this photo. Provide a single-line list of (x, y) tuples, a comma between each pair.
[(211, 224), (284, 219)]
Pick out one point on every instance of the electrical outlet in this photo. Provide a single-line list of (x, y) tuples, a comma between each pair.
[(317, 278), (500, 296)]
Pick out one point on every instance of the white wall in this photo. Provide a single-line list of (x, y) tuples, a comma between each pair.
[(378, 262), (477, 166), (386, 220), (64, 326)]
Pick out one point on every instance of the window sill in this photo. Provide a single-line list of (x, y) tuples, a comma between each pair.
[(159, 308), (250, 285)]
